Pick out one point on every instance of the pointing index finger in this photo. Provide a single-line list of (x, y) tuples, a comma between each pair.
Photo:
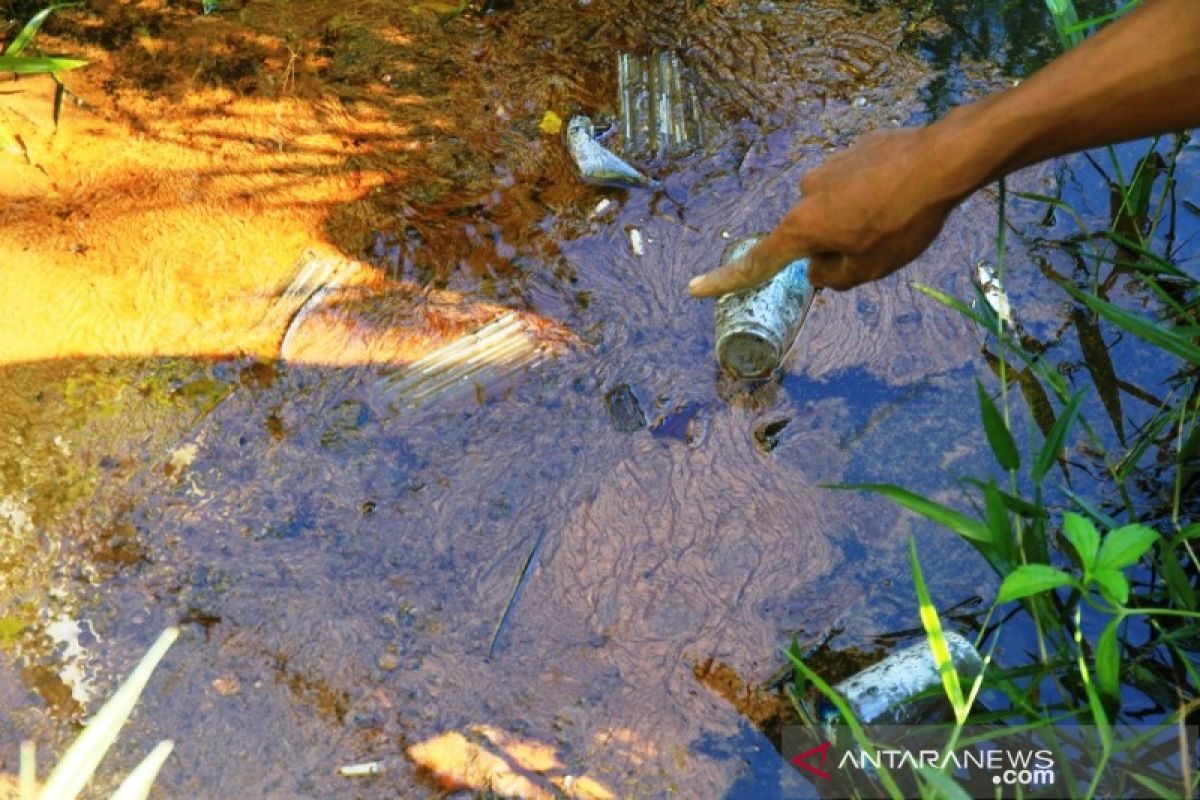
[(766, 258)]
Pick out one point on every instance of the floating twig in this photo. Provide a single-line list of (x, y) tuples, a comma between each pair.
[(526, 569)]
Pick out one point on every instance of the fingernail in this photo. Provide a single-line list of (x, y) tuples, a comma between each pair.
[(695, 282)]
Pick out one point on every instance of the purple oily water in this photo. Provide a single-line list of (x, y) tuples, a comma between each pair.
[(755, 327)]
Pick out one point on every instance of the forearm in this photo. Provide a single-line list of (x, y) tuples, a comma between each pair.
[(1137, 77), (869, 210)]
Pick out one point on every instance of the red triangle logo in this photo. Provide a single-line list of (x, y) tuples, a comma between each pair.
[(801, 761)]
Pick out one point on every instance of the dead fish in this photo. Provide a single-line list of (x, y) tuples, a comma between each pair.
[(597, 165)]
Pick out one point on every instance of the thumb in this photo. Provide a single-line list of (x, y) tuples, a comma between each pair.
[(757, 266)]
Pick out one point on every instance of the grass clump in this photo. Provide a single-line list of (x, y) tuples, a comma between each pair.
[(14, 60), (79, 763), (1092, 528)]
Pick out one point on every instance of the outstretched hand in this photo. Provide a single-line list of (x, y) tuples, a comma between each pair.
[(864, 213)]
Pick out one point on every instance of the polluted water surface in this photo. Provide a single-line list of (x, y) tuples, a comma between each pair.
[(316, 348)]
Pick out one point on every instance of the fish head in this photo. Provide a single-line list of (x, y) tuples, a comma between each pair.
[(579, 125)]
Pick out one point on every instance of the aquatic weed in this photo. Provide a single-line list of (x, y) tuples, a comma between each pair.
[(77, 766), (1099, 571)]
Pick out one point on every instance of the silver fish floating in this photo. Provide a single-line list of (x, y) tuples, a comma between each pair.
[(755, 327), (597, 165)]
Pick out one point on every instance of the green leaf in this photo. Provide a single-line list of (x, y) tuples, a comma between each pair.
[(1037, 399), (937, 639), (1055, 438), (998, 434), (1083, 536), (955, 521), (31, 65), (1125, 546), (1031, 579), (1113, 585), (1108, 660)]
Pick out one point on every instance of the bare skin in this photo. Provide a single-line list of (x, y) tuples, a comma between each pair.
[(871, 209)]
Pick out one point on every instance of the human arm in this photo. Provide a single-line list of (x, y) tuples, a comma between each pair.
[(871, 209)]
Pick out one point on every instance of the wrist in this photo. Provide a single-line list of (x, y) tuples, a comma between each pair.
[(971, 147)]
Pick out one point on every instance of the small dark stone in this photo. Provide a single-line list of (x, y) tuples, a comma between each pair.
[(624, 410)]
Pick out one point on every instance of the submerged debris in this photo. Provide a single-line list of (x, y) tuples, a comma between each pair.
[(637, 242), (755, 327), (660, 113), (884, 694), (317, 276), (367, 769), (505, 344), (768, 435), (624, 410), (597, 165)]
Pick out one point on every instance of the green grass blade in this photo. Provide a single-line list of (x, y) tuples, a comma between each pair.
[(998, 435), (31, 28), (1177, 582), (1108, 660), (937, 639), (954, 520), (943, 784), (1090, 508), (1015, 504), (1165, 338), (1099, 715), (139, 782), (27, 781), (1158, 788), (1054, 440), (83, 756), (1099, 365), (1125, 8), (1190, 449), (34, 65), (997, 520), (847, 715)]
